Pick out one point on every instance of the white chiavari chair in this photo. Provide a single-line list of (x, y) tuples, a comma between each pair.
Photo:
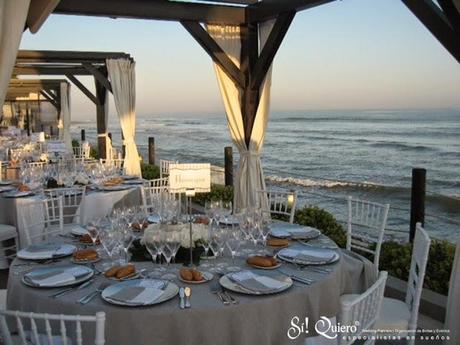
[(117, 163), (154, 197), (164, 167), (81, 152), (401, 316), (158, 182), (37, 328), (8, 233), (360, 310), (73, 204), (369, 215), (281, 203), (41, 219)]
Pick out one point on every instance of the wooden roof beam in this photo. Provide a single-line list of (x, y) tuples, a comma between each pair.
[(269, 9), (452, 13), (436, 22), (43, 70), (99, 76), (61, 56), (82, 88), (50, 99), (215, 52), (159, 10)]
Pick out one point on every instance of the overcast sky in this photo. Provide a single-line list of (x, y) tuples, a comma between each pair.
[(351, 54)]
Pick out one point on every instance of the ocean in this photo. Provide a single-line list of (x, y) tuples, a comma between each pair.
[(328, 155)]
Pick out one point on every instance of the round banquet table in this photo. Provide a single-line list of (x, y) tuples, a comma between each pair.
[(254, 320)]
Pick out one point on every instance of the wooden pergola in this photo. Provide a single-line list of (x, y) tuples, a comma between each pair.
[(442, 19), (72, 64), (44, 90)]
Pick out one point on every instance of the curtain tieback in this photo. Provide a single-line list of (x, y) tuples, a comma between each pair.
[(103, 135), (249, 154)]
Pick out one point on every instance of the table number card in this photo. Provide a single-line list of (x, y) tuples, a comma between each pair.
[(184, 177)]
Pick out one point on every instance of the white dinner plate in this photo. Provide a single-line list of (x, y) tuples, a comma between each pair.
[(153, 219), (116, 188), (133, 182), (161, 291), (5, 183), (18, 194), (230, 221), (45, 251), (6, 188), (281, 283), (81, 274), (306, 255), (79, 231)]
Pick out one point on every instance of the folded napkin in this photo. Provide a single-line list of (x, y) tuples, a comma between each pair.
[(143, 293), (56, 277), (308, 254), (44, 251), (255, 282)]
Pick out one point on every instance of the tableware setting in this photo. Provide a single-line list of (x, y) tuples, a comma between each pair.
[(292, 231), (308, 255), (44, 251), (57, 276), (263, 262), (193, 276), (251, 283), (140, 292)]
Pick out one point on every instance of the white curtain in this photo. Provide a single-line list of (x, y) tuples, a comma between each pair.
[(13, 16), (122, 77), (453, 301), (64, 121), (250, 177)]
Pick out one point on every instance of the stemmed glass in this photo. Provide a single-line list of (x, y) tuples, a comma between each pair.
[(171, 246), (234, 238), (226, 210), (93, 229)]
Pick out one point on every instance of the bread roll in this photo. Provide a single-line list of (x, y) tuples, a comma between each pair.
[(85, 254), (197, 276), (125, 271), (186, 274), (86, 238), (277, 242), (261, 261), (112, 271)]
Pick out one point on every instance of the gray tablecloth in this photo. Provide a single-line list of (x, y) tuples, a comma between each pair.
[(255, 320)]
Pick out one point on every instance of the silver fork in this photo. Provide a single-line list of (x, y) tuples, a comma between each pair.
[(91, 295), (217, 290)]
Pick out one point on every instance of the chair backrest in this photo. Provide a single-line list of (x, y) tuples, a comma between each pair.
[(158, 182), (419, 260), (365, 309), (370, 215), (281, 203), (164, 167), (40, 219), (39, 165), (73, 202), (81, 152), (38, 328), (117, 163), (154, 197)]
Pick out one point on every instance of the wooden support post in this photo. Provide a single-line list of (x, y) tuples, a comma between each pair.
[(417, 209), (28, 121), (110, 136), (152, 150), (51, 131), (83, 135), (101, 93), (228, 163)]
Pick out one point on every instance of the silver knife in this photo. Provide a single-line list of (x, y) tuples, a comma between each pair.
[(66, 291)]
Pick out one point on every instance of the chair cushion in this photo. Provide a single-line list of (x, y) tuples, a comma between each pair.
[(7, 232), (394, 315)]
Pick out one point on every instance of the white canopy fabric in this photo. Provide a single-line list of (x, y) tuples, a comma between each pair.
[(122, 77), (64, 121), (453, 301), (250, 177), (13, 16)]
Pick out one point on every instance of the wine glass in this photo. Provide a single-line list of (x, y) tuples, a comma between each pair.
[(234, 238), (226, 210), (93, 229), (151, 244)]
